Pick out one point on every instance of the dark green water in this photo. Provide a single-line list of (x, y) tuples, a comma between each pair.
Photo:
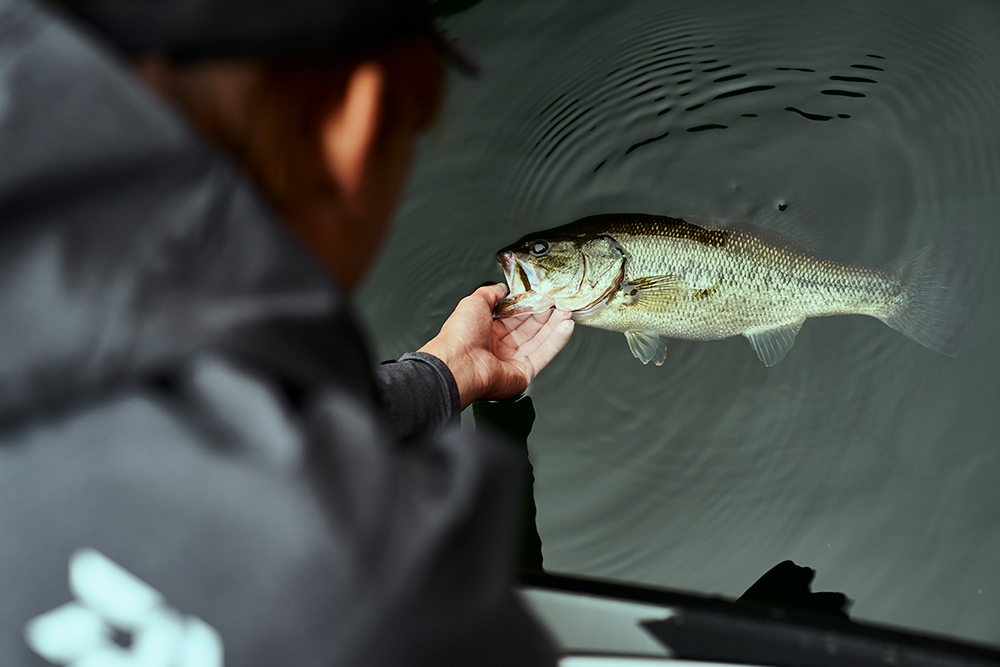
[(862, 454)]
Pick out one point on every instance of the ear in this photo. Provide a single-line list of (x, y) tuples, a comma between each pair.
[(349, 132)]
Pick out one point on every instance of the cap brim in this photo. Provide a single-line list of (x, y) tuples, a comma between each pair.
[(145, 27)]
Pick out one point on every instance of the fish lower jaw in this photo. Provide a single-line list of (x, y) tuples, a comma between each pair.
[(523, 303)]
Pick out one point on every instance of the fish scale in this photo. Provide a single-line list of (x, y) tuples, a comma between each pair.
[(655, 277), (750, 282)]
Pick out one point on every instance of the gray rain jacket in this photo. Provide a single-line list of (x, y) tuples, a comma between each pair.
[(197, 464)]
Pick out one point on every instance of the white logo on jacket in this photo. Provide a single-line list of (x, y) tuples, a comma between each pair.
[(111, 600)]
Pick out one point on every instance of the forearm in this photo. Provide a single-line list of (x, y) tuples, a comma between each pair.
[(419, 394)]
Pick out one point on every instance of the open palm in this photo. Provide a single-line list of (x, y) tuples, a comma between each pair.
[(496, 359)]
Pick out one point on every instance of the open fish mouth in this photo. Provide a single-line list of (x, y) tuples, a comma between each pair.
[(520, 297), (518, 278)]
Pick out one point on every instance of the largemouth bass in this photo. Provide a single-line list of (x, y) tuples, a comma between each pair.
[(654, 277)]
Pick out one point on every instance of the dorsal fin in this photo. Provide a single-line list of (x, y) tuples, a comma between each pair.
[(791, 219)]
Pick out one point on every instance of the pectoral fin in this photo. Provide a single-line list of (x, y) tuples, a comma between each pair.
[(654, 293), (647, 346), (771, 345)]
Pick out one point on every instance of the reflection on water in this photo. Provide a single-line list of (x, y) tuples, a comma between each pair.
[(863, 455)]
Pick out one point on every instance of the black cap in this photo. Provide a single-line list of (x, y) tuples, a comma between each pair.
[(266, 29)]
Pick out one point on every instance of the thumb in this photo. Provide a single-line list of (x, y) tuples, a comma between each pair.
[(492, 292)]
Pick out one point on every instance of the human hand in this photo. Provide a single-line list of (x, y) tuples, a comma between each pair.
[(497, 359)]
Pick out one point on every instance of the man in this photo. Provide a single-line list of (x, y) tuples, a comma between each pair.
[(188, 420)]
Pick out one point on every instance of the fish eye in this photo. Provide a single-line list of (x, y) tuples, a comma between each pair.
[(539, 248)]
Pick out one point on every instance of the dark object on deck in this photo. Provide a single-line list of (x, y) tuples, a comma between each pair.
[(786, 586), (719, 630)]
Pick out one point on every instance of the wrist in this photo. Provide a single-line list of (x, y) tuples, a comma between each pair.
[(463, 373)]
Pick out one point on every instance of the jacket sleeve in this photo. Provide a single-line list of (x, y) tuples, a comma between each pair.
[(419, 395), (435, 527)]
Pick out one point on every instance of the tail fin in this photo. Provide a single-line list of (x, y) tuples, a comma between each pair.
[(935, 280)]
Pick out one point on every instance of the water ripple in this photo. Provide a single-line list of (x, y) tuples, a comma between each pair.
[(704, 473)]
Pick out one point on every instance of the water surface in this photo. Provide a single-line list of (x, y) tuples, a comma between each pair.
[(863, 455)]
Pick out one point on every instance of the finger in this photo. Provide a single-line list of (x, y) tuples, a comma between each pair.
[(523, 331), (481, 302), (560, 315), (523, 327), (491, 294), (549, 347), (518, 344), (538, 348), (547, 330)]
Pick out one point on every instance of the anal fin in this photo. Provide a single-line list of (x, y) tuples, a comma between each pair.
[(771, 345), (647, 346)]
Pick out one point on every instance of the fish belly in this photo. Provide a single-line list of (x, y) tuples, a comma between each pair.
[(746, 287)]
